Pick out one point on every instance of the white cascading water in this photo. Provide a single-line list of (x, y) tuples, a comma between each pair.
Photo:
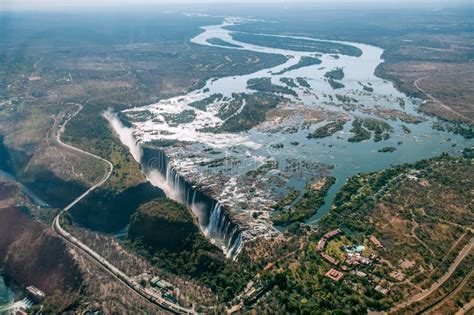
[(125, 134), (219, 228)]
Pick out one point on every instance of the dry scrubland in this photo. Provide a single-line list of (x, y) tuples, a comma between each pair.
[(436, 67), (447, 87), (40, 86), (426, 219), (31, 253), (135, 265), (423, 214)]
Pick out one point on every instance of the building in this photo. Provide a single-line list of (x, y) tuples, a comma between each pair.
[(162, 284), (335, 275), (382, 290), (154, 280), (330, 259), (356, 258), (375, 241), (170, 297), (36, 294), (322, 242), (332, 234), (376, 279), (359, 273), (321, 245), (397, 275)]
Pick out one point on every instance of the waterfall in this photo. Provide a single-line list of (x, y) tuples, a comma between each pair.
[(213, 219), (221, 228), (125, 134)]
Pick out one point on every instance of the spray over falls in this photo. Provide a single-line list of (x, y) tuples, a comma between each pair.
[(249, 171), (213, 219)]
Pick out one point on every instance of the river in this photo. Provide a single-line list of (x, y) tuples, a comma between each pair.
[(33, 197), (6, 294), (299, 159)]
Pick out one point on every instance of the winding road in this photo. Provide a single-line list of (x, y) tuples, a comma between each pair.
[(436, 101), (148, 295), (438, 283)]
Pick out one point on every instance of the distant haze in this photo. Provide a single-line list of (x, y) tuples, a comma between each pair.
[(65, 4)]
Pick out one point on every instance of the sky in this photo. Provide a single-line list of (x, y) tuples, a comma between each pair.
[(64, 4)]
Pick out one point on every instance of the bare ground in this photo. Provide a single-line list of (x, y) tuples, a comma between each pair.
[(447, 87)]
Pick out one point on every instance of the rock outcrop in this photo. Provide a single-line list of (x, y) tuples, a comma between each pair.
[(167, 231), (164, 224), (31, 254)]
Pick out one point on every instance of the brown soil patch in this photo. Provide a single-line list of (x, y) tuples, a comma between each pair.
[(447, 86), (407, 264)]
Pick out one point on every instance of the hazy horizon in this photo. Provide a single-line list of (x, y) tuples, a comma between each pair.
[(32, 5)]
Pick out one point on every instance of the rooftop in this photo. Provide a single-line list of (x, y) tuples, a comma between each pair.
[(375, 241), (335, 275)]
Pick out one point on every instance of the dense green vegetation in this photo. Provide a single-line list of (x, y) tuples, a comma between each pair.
[(387, 149), (335, 84), (221, 42), (304, 62), (457, 128), (307, 205), (327, 130), (360, 133), (297, 44), (121, 66), (289, 81), (299, 285), (391, 29), (125, 119), (369, 89), (95, 211), (346, 99), (364, 127), (163, 231), (166, 59), (402, 195), (355, 201), (288, 200), (303, 82), (253, 113), (333, 77), (184, 117), (202, 104), (6, 163), (266, 85), (131, 117), (163, 224), (162, 143), (335, 74), (230, 108), (412, 38), (263, 169), (306, 289)]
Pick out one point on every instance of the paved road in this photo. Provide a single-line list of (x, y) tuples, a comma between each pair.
[(443, 300), (416, 83), (435, 286), (104, 178), (466, 308), (118, 274)]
